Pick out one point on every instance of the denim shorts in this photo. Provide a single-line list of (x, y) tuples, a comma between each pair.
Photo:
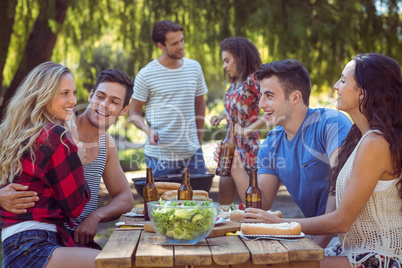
[(195, 164), (29, 248)]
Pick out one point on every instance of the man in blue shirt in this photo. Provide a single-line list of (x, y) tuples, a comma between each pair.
[(303, 147)]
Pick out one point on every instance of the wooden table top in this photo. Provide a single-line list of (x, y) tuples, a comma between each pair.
[(137, 248)]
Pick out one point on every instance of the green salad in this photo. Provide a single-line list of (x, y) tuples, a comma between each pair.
[(179, 222)]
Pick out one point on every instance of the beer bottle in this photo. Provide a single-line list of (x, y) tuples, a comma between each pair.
[(185, 192), (228, 147), (253, 193), (150, 192)]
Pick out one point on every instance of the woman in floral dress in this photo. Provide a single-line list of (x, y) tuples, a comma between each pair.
[(240, 60)]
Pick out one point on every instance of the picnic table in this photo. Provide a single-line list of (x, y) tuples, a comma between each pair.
[(135, 247)]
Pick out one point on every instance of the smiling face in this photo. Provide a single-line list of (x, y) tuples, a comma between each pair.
[(276, 108), (174, 45), (62, 107), (229, 64), (106, 104), (349, 95)]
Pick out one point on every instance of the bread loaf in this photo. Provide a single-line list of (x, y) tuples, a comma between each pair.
[(166, 186), (238, 215), (198, 195), (285, 228), (169, 195)]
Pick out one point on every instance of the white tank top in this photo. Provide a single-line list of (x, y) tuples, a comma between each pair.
[(378, 228)]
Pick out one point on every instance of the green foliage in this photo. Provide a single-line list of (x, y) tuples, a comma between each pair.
[(100, 34), (26, 13)]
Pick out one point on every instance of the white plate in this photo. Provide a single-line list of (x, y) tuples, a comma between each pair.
[(278, 236), (219, 221), (133, 214), (122, 223)]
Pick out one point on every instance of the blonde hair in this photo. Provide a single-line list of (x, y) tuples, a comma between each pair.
[(26, 116)]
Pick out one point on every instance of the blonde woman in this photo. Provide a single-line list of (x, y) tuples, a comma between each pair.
[(37, 150)]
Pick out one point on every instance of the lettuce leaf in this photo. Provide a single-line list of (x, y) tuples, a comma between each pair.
[(180, 223)]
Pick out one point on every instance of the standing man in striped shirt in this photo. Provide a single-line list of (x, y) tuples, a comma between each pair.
[(172, 89)]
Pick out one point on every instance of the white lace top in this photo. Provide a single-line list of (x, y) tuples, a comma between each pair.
[(378, 228)]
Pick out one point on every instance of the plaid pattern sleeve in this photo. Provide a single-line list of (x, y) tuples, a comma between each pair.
[(64, 174), (57, 175)]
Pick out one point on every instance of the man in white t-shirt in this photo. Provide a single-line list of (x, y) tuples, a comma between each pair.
[(172, 88)]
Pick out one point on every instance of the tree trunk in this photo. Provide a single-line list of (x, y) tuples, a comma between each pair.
[(40, 43), (7, 13)]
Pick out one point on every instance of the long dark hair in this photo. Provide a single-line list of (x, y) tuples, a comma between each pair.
[(245, 54), (380, 79)]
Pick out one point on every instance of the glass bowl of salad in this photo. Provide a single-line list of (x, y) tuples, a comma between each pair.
[(185, 221)]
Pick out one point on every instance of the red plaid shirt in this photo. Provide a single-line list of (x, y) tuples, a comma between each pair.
[(57, 176)]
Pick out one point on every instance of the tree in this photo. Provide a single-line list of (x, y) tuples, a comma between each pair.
[(7, 14), (41, 41)]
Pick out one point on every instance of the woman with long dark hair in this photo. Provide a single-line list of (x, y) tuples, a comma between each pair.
[(240, 60), (367, 181)]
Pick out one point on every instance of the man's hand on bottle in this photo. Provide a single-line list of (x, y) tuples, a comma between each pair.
[(16, 199)]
